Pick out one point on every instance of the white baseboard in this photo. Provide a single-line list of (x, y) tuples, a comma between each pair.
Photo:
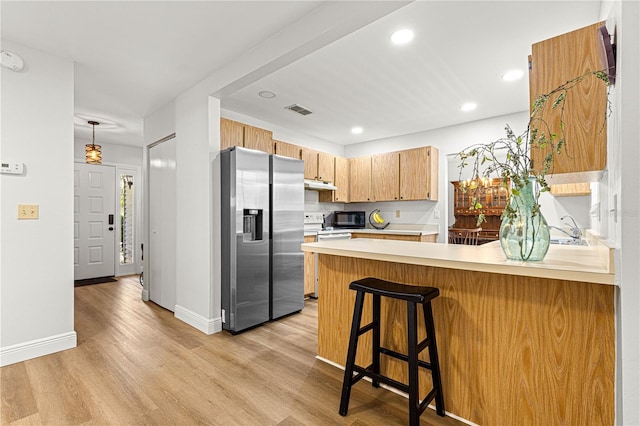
[(145, 295), (206, 325), (35, 348)]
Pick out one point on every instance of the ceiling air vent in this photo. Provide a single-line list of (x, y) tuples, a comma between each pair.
[(299, 109)]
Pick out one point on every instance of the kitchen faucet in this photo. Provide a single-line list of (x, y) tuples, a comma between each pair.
[(575, 229), (572, 235)]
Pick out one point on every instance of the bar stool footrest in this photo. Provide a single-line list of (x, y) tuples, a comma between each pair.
[(382, 379), (403, 357)]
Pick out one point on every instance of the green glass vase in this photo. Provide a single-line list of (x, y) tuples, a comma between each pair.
[(525, 236)]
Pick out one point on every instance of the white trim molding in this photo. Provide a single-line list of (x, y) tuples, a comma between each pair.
[(36, 348), (207, 326)]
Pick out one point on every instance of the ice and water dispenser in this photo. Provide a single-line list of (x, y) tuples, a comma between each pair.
[(252, 225)]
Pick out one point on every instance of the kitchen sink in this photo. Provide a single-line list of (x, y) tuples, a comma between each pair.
[(569, 241)]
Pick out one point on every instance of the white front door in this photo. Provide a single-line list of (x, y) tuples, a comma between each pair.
[(94, 221), (162, 224)]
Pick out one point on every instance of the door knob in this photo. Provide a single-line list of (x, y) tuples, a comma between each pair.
[(111, 228)]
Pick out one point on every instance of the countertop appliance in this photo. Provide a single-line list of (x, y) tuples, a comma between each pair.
[(262, 198), (351, 220)]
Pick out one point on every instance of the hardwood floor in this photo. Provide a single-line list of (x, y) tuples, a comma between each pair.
[(136, 364)]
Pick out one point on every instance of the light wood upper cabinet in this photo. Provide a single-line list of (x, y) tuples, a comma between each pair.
[(259, 139), (325, 167), (231, 133), (340, 180), (287, 149), (310, 158), (385, 176), (318, 165), (360, 179), (419, 174), (553, 62)]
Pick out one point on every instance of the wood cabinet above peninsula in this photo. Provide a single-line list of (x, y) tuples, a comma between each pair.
[(518, 342), (552, 63)]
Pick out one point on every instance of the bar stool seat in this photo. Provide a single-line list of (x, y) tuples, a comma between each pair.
[(413, 295)]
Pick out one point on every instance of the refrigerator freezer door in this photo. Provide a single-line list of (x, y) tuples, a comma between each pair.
[(245, 238), (287, 233)]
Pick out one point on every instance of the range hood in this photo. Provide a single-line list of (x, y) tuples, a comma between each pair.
[(318, 185)]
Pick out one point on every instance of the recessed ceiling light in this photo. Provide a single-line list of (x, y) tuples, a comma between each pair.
[(266, 94), (469, 106), (513, 75), (402, 36), (356, 130)]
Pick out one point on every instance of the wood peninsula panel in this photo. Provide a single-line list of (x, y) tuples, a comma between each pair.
[(386, 176), (553, 62), (513, 350)]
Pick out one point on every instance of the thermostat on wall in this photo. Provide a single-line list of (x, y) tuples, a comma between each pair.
[(12, 167)]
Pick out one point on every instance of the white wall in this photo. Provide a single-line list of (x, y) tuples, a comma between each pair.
[(36, 279), (623, 203)]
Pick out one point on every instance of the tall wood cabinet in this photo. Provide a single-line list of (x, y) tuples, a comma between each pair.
[(553, 62), (233, 133)]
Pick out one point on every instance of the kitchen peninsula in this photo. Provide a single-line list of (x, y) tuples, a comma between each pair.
[(519, 342)]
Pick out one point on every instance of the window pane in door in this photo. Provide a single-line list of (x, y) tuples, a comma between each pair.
[(126, 220)]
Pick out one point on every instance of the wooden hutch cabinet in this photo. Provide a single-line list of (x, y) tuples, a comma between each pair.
[(492, 194)]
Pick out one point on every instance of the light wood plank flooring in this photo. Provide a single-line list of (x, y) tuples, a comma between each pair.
[(136, 364)]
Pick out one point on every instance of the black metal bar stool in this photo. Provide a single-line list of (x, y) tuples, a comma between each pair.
[(412, 295)]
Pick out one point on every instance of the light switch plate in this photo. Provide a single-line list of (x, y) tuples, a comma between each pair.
[(28, 211)]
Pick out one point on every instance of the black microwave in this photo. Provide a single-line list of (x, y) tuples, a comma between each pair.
[(354, 220)]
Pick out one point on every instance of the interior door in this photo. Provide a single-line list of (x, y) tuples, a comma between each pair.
[(94, 221), (162, 224)]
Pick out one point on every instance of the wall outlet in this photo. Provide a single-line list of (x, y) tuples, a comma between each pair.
[(28, 211), (397, 213), (436, 214)]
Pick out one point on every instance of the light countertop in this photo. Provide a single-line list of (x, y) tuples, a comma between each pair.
[(592, 264), (393, 229)]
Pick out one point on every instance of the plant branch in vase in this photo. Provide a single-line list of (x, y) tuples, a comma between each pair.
[(524, 234)]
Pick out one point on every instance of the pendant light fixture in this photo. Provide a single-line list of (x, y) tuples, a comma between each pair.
[(92, 151)]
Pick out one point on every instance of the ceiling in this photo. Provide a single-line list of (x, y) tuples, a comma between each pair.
[(131, 58)]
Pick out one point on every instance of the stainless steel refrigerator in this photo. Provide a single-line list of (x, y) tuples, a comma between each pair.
[(262, 230)]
